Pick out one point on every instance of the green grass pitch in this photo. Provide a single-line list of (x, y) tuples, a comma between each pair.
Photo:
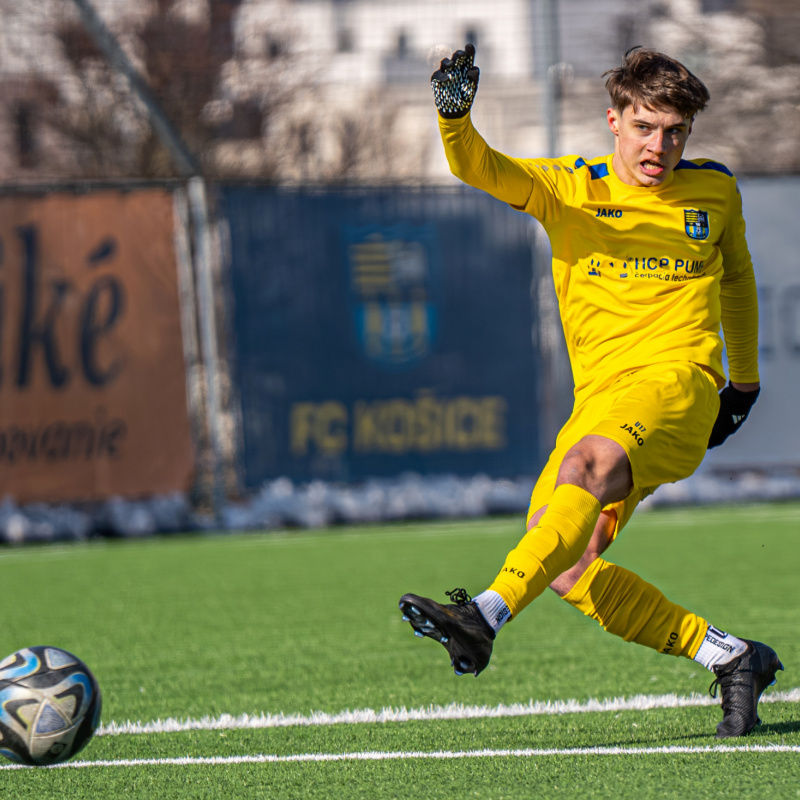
[(193, 627)]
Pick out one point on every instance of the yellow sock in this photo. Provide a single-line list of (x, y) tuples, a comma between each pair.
[(628, 606), (554, 545)]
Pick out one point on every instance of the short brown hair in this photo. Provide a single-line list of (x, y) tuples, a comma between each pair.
[(651, 79)]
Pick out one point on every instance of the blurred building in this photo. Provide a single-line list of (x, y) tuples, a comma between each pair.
[(336, 91)]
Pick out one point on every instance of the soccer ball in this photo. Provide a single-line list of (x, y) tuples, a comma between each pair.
[(49, 706)]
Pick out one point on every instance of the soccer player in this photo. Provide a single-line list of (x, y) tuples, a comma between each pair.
[(649, 259)]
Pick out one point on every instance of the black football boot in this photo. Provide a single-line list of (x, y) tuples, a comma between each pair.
[(459, 626), (741, 682)]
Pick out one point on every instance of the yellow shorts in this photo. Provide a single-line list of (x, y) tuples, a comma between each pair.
[(661, 416)]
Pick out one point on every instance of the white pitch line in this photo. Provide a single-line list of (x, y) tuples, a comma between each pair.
[(435, 755), (433, 712)]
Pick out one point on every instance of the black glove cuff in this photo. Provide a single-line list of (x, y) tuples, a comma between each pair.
[(738, 401), (734, 407)]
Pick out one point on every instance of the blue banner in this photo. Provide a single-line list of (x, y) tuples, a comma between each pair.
[(378, 332)]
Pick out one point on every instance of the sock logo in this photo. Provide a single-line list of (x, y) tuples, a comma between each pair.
[(728, 648), (504, 612), (673, 640), (513, 571)]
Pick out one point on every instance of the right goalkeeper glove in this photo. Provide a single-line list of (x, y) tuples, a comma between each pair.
[(454, 84), (734, 406)]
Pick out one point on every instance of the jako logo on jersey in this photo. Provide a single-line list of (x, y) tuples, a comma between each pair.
[(696, 223), (632, 432), (608, 212)]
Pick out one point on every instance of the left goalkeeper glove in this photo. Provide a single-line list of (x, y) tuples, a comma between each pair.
[(455, 82), (734, 406)]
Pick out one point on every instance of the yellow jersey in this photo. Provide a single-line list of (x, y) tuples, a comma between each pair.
[(643, 274)]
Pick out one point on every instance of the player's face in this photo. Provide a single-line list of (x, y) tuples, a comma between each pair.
[(648, 144)]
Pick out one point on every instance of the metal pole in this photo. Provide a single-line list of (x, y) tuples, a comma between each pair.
[(107, 43), (549, 333), (189, 167), (190, 329), (550, 78), (198, 204)]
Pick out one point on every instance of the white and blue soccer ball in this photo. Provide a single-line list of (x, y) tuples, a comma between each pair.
[(49, 706)]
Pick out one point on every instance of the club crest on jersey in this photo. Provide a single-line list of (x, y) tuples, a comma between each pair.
[(394, 291), (696, 223)]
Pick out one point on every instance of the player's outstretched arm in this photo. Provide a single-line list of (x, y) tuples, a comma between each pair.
[(471, 160)]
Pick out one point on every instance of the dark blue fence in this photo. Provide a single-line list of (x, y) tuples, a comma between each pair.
[(378, 332)]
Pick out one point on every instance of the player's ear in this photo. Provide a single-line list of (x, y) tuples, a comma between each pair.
[(614, 118)]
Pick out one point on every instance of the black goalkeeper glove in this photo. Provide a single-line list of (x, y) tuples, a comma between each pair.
[(455, 82), (734, 406)]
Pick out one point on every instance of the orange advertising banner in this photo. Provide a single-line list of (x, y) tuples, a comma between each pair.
[(92, 380)]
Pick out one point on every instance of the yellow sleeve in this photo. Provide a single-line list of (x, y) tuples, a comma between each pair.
[(543, 187), (475, 163), (738, 297)]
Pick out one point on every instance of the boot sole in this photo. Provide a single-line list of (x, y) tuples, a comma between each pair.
[(420, 618)]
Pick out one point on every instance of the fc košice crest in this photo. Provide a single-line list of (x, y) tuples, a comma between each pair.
[(392, 272), (696, 223)]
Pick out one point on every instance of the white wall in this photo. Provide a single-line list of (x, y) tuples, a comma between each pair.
[(771, 435)]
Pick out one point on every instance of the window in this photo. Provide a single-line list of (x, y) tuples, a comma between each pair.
[(402, 45), (345, 40), (273, 47), (23, 127), (712, 6)]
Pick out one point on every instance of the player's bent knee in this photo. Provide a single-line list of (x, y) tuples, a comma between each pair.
[(600, 466), (566, 581)]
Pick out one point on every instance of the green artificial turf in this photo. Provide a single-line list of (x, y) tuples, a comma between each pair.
[(295, 622)]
